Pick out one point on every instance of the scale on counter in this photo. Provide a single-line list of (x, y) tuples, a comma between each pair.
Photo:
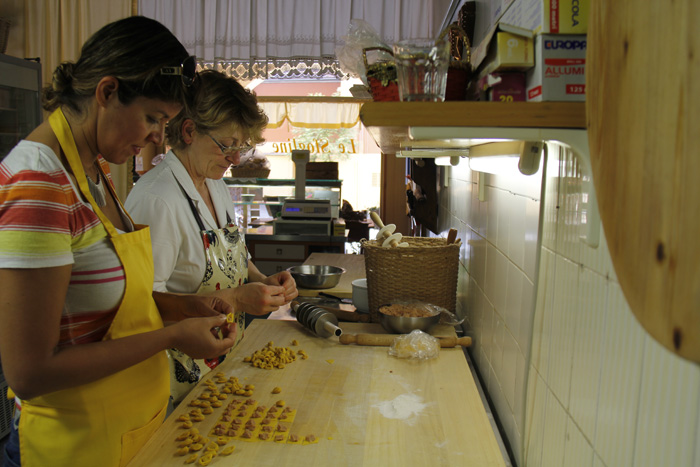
[(306, 209), (301, 216)]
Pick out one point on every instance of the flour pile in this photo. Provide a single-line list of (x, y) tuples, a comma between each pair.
[(403, 407)]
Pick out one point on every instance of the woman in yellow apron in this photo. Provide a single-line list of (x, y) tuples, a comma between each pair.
[(196, 246), (81, 331)]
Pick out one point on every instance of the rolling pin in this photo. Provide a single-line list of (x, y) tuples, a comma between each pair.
[(386, 233), (386, 340)]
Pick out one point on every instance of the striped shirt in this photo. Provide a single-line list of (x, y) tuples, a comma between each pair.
[(45, 223)]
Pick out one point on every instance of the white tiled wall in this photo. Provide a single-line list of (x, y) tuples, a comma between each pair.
[(575, 380), (497, 280)]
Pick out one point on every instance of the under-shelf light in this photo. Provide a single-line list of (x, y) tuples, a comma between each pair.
[(452, 161), (497, 157), (507, 158), (433, 153)]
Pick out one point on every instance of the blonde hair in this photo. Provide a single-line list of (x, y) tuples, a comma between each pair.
[(218, 100)]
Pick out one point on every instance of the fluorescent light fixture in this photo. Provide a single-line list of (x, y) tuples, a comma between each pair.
[(498, 165), (434, 153), (452, 161), (496, 157), (454, 143), (507, 158)]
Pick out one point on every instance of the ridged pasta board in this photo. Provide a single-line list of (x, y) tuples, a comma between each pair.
[(362, 406)]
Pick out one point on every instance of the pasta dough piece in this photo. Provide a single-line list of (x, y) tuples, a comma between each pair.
[(228, 450), (281, 437)]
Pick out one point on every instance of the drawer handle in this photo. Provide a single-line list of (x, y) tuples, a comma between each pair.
[(279, 251)]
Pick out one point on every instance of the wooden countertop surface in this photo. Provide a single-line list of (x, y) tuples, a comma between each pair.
[(354, 269), (364, 406)]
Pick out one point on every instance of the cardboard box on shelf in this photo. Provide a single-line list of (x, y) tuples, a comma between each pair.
[(559, 71), (505, 48), (502, 87), (549, 16)]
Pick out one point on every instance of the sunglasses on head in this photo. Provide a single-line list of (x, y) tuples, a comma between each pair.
[(187, 70)]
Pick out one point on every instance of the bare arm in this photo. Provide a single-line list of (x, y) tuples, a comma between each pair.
[(29, 335)]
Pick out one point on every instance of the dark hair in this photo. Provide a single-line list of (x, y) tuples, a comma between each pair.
[(218, 100), (133, 50)]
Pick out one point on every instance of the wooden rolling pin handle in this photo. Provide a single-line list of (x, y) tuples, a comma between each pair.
[(465, 341), (368, 339), (387, 339), (451, 236), (377, 220)]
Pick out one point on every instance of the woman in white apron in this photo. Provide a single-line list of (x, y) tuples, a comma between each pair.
[(196, 247), (81, 332)]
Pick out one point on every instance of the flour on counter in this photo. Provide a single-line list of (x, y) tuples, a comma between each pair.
[(403, 407)]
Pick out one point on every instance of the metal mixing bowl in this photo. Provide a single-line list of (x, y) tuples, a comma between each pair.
[(406, 324), (316, 277)]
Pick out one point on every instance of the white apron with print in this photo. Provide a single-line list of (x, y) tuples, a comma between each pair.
[(226, 267)]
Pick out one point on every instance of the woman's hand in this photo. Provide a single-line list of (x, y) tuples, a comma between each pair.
[(284, 279), (176, 307), (255, 298), (199, 337)]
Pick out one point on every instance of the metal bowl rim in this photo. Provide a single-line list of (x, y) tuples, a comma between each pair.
[(337, 270)]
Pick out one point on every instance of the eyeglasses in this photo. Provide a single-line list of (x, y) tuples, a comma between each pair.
[(232, 149), (187, 70)]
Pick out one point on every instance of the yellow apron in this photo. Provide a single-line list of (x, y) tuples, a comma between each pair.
[(105, 422), (226, 258)]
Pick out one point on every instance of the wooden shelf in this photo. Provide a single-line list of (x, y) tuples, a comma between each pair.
[(389, 122)]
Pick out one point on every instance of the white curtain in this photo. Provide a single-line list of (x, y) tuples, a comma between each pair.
[(264, 38), (55, 31)]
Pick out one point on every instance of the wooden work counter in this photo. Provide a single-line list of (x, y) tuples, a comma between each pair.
[(354, 266), (364, 406)]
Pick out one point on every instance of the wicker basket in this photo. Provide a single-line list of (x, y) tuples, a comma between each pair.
[(243, 172), (426, 270)]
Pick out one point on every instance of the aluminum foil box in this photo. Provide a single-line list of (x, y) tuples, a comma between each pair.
[(559, 71)]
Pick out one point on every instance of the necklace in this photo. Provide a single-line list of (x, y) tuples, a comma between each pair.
[(97, 191)]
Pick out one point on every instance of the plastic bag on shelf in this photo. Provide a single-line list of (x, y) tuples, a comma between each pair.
[(361, 35)]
